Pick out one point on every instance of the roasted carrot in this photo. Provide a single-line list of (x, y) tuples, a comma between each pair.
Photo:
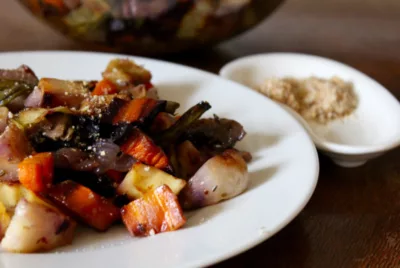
[(157, 211), (36, 172), (104, 87), (136, 110), (91, 208), (141, 147)]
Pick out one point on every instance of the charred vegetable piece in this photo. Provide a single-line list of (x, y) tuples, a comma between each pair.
[(103, 107), (222, 177), (142, 179), (31, 117), (58, 92), (139, 110), (123, 72), (36, 172), (22, 74), (104, 87), (222, 133), (4, 220), (162, 122), (141, 147), (10, 90), (189, 159), (36, 227), (116, 176), (91, 208), (99, 184), (157, 211), (171, 107), (173, 133)]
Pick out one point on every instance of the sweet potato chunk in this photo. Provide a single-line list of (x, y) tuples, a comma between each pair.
[(157, 211), (36, 172), (91, 208), (141, 147), (104, 87), (137, 110)]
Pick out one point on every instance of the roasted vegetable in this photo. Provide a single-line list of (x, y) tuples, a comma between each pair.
[(4, 113), (103, 107), (142, 179), (139, 110), (14, 147), (100, 184), (215, 132), (21, 74), (173, 133), (222, 177), (189, 159), (141, 147), (104, 87), (10, 194), (4, 220), (56, 92), (122, 72), (10, 90), (36, 172), (162, 122), (157, 211), (36, 227), (91, 208)]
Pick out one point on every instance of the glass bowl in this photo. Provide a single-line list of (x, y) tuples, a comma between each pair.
[(145, 27)]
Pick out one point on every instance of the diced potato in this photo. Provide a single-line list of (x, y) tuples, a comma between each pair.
[(142, 178), (4, 220), (35, 227), (10, 194), (124, 71), (157, 211)]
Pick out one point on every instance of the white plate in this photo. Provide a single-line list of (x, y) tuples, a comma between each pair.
[(284, 173)]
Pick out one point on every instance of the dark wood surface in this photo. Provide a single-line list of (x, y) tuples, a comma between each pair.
[(353, 219)]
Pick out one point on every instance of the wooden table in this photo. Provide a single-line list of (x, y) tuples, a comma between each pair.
[(353, 219)]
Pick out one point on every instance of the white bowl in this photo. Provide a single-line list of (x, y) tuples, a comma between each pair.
[(371, 130)]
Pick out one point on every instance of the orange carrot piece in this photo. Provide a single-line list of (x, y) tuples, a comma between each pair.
[(36, 172), (137, 109), (141, 147), (91, 208), (104, 87), (157, 211)]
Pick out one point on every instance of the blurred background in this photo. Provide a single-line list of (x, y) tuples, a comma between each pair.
[(359, 32), (355, 27)]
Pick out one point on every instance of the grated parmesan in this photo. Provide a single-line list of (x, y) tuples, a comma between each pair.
[(315, 99)]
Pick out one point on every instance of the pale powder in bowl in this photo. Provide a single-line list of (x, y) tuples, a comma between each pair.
[(315, 99)]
